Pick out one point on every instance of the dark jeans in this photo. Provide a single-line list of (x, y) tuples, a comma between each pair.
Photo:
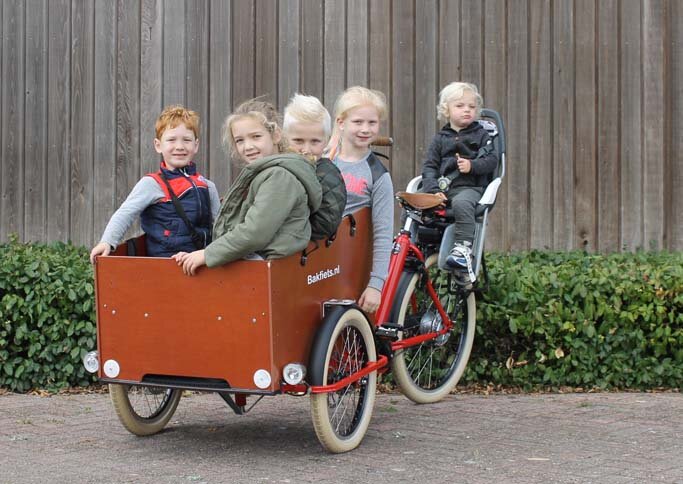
[(463, 201)]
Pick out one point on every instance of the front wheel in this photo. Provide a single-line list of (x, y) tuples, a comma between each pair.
[(343, 346), (144, 410), (428, 372)]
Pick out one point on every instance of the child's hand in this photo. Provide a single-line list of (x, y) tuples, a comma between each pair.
[(443, 197), (100, 249), (464, 165), (190, 262), (370, 299)]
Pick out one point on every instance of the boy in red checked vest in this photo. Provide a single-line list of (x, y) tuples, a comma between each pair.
[(176, 204)]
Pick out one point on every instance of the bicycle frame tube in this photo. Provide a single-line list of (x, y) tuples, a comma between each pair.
[(403, 246)]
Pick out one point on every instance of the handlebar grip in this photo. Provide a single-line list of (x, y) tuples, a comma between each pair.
[(383, 141)]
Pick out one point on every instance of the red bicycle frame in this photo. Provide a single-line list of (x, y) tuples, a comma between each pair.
[(404, 247)]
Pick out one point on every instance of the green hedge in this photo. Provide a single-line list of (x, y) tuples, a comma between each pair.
[(46, 316), (580, 320), (547, 319)]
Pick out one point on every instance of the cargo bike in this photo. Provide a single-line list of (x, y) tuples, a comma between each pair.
[(256, 328)]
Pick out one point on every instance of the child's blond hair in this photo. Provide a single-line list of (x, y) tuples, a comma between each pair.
[(307, 109), (174, 115), (357, 96), (453, 91), (352, 98), (261, 111)]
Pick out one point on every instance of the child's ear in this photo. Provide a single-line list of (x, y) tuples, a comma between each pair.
[(277, 136), (157, 145)]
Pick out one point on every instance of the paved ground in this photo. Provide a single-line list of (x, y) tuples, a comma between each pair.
[(582, 438)]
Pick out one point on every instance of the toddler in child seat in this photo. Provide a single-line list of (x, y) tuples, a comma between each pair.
[(458, 162), (152, 198)]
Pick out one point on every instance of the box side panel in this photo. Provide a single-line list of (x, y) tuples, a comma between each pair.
[(154, 320), (340, 271)]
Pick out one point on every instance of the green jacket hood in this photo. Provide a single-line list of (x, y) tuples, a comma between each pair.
[(298, 166)]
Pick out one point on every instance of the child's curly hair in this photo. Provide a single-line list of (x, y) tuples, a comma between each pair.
[(174, 115), (263, 112)]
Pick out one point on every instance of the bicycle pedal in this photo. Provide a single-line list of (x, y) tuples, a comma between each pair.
[(387, 331)]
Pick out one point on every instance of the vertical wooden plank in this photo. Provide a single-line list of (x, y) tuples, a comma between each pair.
[(426, 89), (151, 75), (220, 84), (380, 59), (585, 197), (517, 126), (312, 48), (58, 120), (630, 73), (334, 67), (541, 200), (676, 147), (127, 100), (82, 112), (288, 56), (243, 51), (104, 185), (173, 81), (197, 68), (357, 42), (472, 44), (654, 111), (35, 141), (267, 29), (563, 123), (449, 42), (12, 216), (608, 126), (494, 86), (403, 96)]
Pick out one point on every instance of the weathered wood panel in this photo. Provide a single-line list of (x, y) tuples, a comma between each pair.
[(151, 76), (12, 186), (104, 175), (288, 54), (541, 208), (563, 123), (675, 222), (631, 125), (590, 92), (654, 112), (585, 174), (220, 89), (58, 120), (516, 116), (82, 112), (494, 87), (35, 132), (608, 126)]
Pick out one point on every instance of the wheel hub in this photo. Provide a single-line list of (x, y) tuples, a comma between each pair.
[(431, 322)]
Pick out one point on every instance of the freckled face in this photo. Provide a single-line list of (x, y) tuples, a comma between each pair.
[(177, 146)]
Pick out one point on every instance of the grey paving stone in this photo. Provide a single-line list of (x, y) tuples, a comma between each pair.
[(568, 438)]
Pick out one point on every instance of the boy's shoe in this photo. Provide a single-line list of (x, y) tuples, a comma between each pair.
[(460, 261)]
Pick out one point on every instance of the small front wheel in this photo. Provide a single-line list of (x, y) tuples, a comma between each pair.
[(144, 410), (343, 346)]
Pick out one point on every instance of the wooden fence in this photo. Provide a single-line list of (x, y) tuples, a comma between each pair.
[(591, 93)]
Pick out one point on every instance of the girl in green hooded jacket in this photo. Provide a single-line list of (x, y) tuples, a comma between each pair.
[(266, 212)]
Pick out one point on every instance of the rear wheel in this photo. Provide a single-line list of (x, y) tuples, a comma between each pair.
[(427, 372), (341, 418), (144, 410)]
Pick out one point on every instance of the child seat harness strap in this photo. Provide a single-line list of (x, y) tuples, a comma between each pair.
[(197, 239)]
